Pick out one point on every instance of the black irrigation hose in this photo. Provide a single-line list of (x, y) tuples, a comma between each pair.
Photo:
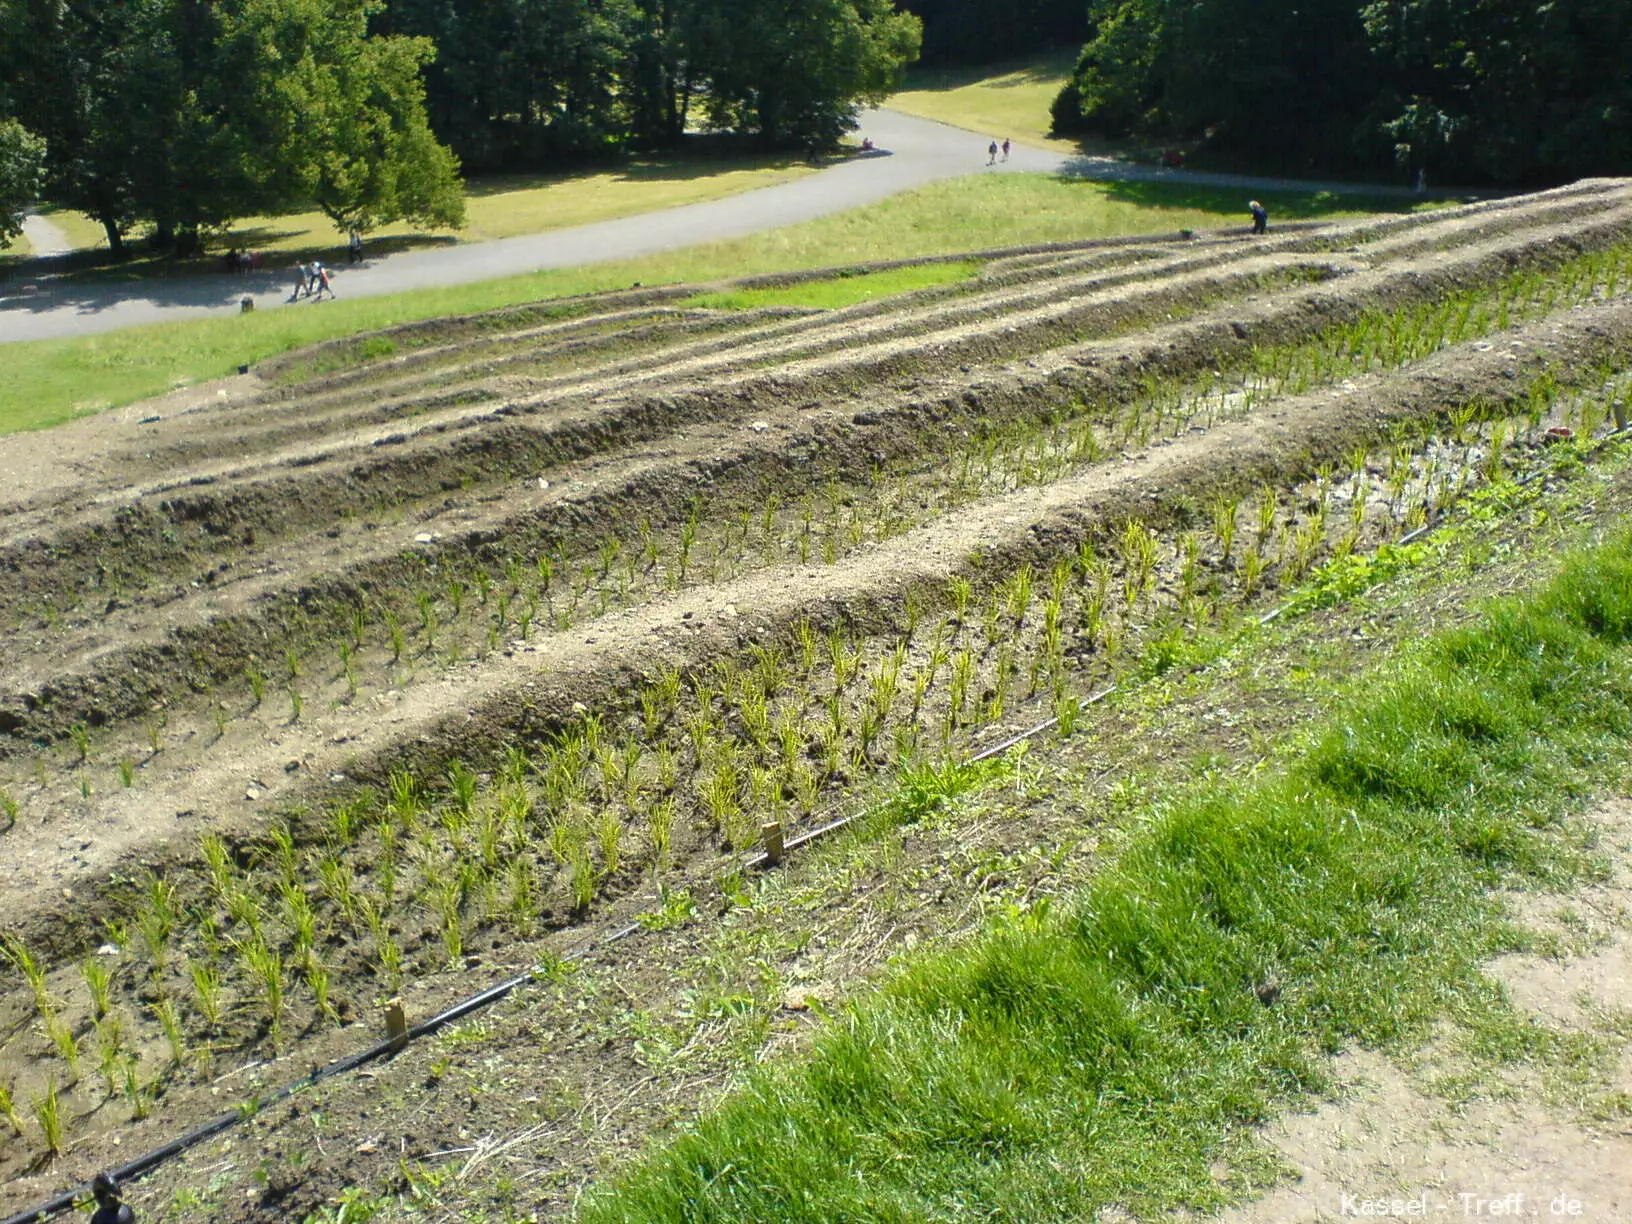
[(151, 1160)]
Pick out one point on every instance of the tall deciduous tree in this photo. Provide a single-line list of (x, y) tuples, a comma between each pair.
[(796, 72), (335, 116), (1503, 89), (22, 172), (523, 81), (1495, 90), (978, 32), (185, 114)]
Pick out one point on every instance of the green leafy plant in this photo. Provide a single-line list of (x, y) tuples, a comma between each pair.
[(47, 1108), (99, 981), (8, 1110)]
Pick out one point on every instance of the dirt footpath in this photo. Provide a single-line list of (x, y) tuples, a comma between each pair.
[(1442, 1135)]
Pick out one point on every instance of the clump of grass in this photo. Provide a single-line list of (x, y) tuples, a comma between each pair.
[(47, 1108), (99, 981), (15, 952), (1099, 1051), (168, 1015), (8, 1110), (207, 992)]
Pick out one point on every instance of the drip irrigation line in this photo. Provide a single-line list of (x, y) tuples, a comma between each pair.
[(151, 1160), (1430, 527), (254, 1106), (760, 862)]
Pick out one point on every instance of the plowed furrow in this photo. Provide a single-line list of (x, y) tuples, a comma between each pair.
[(206, 636), (471, 714)]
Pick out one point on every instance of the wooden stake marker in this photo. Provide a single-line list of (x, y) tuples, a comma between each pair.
[(396, 1024), (774, 848)]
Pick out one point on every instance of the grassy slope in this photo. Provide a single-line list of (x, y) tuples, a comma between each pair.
[(840, 290), (1105, 1052), (1010, 100), (45, 382)]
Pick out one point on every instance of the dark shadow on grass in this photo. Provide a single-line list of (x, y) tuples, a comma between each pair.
[(1048, 66), (1290, 204), (43, 285), (88, 279), (702, 157)]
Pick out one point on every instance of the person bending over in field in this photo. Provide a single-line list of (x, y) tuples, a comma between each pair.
[(1260, 217), (109, 1210)]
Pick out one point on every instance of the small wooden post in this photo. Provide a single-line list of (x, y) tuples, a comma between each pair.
[(772, 833), (396, 1024)]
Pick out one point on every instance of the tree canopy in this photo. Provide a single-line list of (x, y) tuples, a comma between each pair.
[(971, 32), (522, 83), (183, 115), (1488, 90), (22, 172), (795, 71)]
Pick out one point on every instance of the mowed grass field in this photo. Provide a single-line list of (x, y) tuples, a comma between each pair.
[(1010, 100), (46, 382), (499, 206)]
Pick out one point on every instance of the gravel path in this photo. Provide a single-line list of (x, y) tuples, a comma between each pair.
[(912, 152)]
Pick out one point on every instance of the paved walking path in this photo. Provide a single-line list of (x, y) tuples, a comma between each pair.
[(46, 237), (911, 152)]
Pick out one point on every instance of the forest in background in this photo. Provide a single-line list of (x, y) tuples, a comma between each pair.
[(1508, 92), (179, 116), (174, 118)]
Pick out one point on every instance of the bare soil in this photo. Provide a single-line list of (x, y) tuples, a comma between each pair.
[(626, 557), (1527, 1141)]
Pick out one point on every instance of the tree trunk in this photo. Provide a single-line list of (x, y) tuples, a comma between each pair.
[(116, 240)]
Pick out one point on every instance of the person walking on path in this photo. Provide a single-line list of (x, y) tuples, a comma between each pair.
[(991, 154), (323, 285), (303, 277), (1260, 217), (1005, 148), (354, 248)]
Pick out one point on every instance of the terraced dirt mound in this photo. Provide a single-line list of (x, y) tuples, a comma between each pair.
[(452, 645)]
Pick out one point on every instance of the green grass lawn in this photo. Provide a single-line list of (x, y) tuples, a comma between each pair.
[(48, 381), (1010, 100), (495, 207)]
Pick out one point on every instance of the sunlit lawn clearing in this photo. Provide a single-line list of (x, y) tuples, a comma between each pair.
[(1005, 100)]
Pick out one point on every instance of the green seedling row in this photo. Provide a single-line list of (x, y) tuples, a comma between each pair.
[(259, 947)]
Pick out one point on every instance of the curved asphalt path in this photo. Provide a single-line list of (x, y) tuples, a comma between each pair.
[(911, 152)]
